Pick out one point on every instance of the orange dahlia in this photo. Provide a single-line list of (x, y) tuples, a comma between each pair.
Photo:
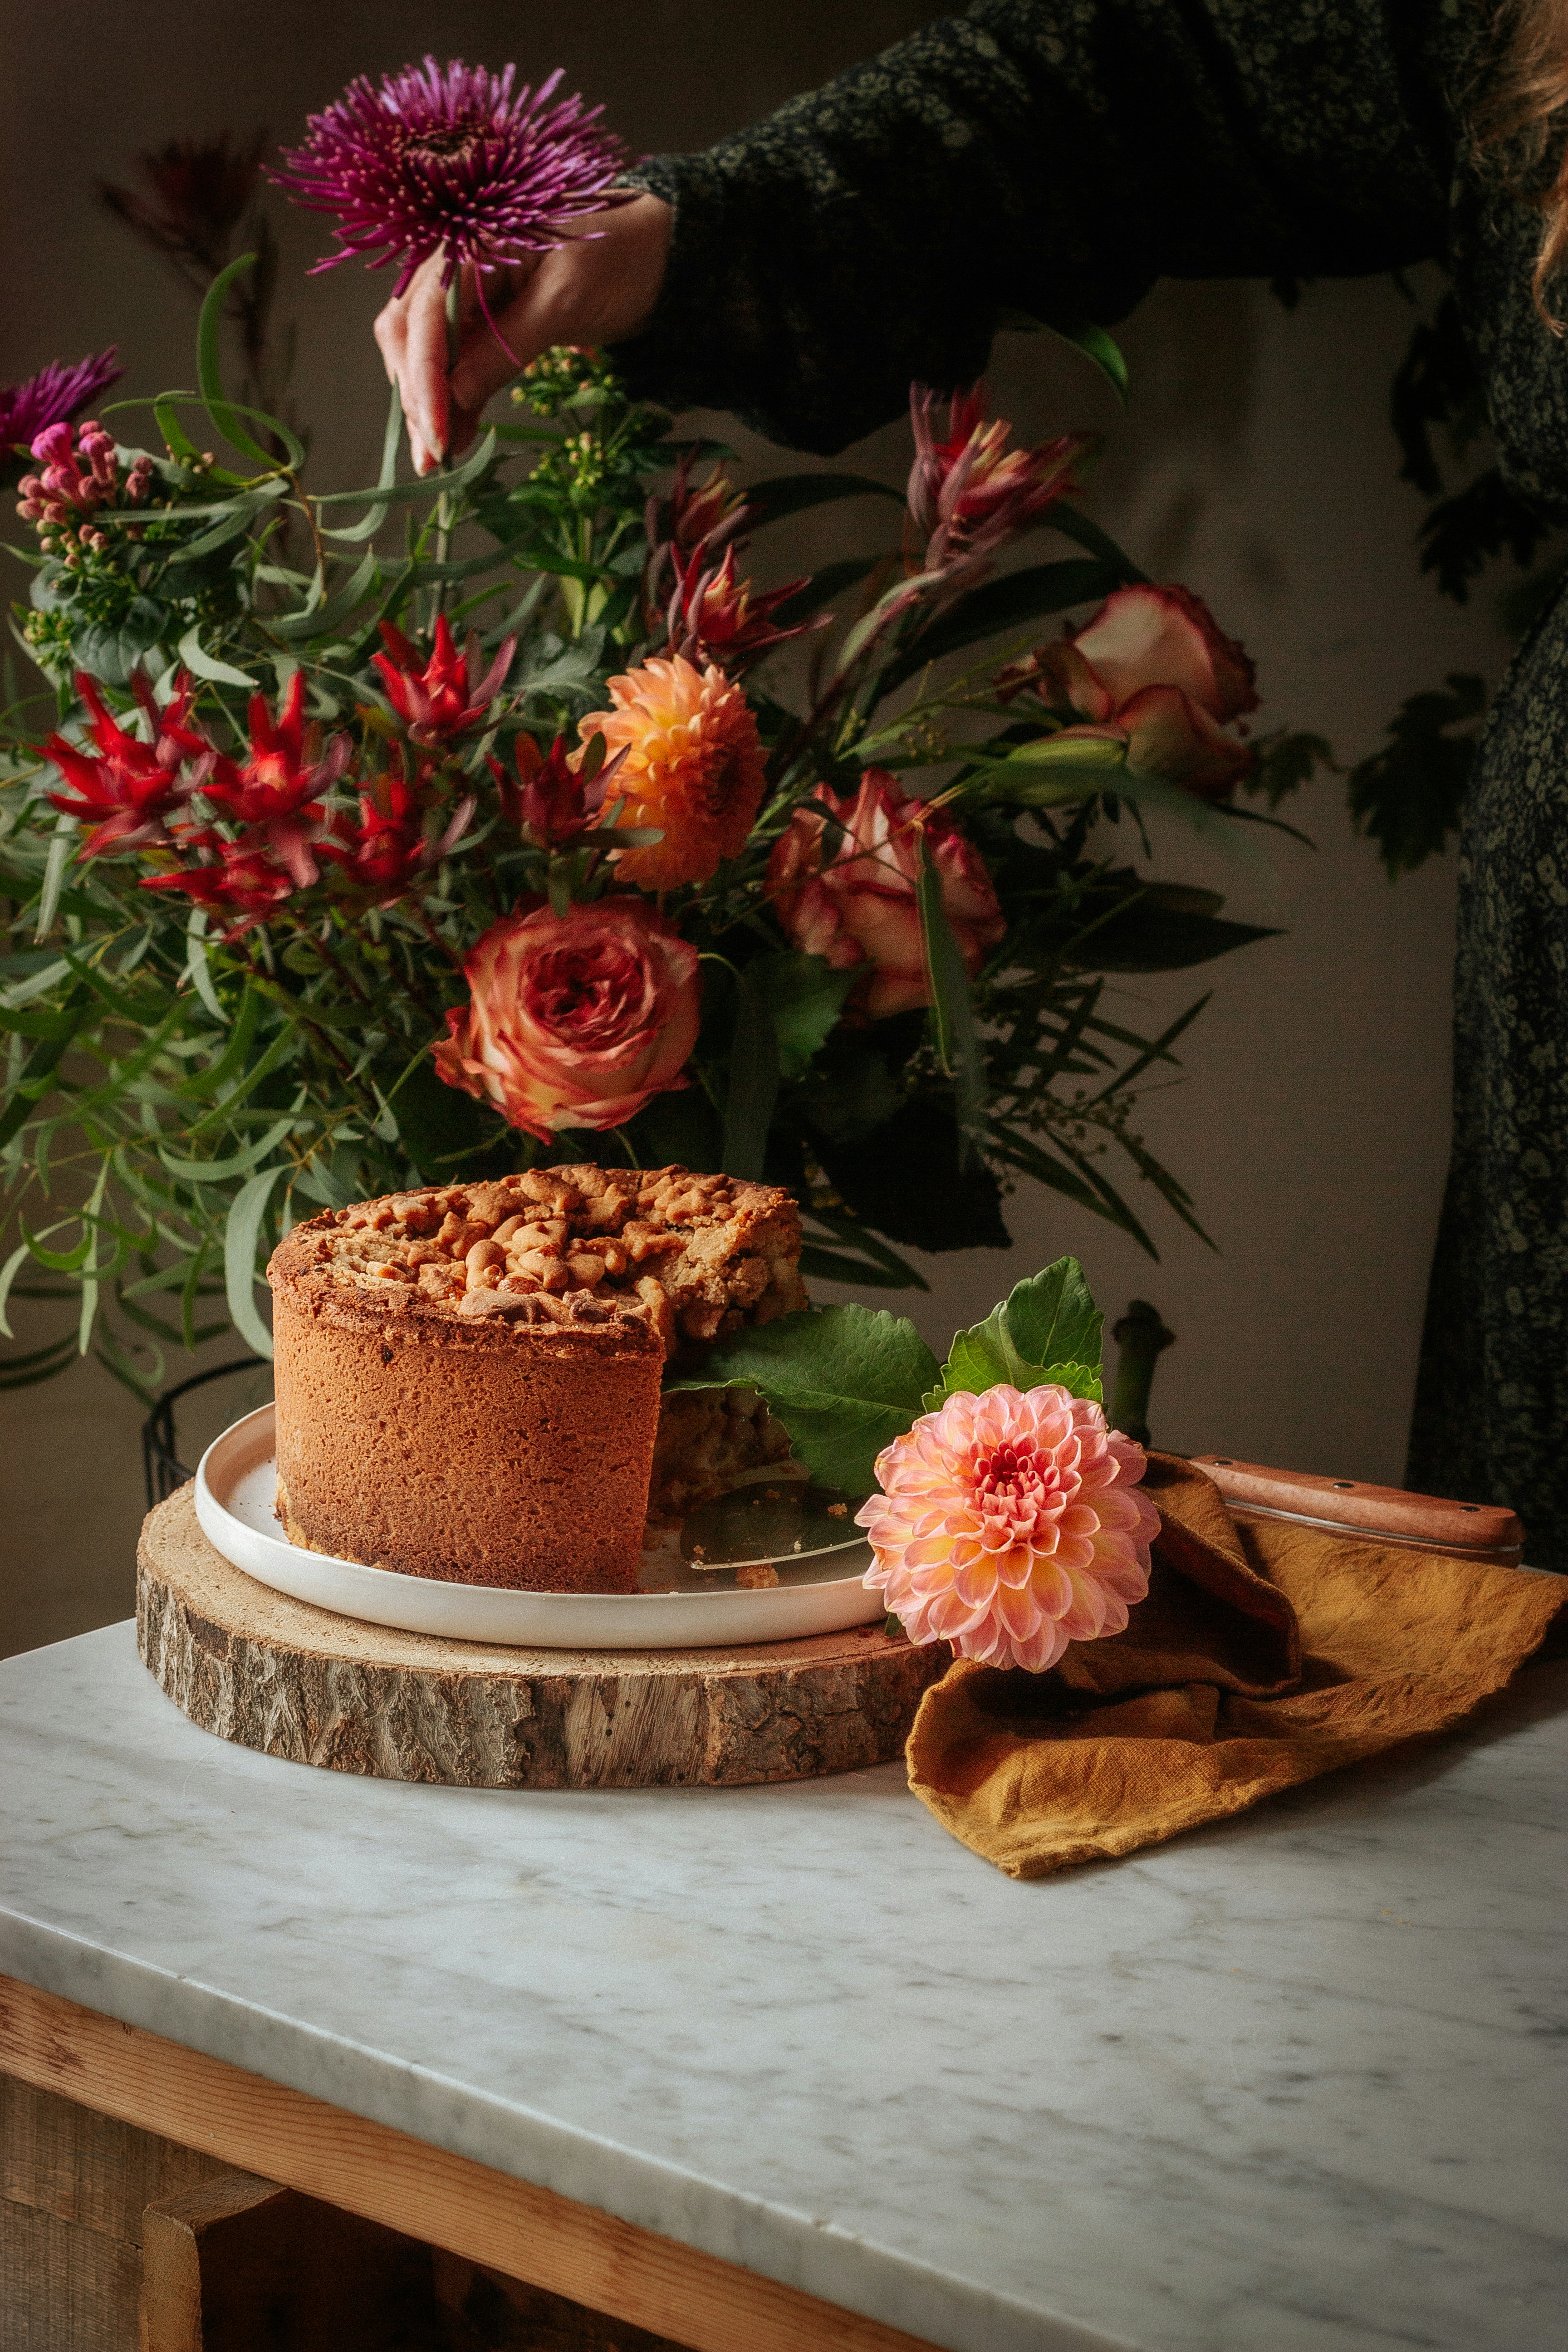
[(693, 767)]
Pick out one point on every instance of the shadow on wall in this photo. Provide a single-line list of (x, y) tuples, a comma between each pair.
[(1257, 464)]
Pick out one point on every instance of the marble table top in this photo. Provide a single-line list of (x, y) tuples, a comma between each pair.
[(1285, 2085)]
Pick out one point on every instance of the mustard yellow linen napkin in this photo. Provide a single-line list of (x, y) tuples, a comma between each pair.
[(1263, 1655)]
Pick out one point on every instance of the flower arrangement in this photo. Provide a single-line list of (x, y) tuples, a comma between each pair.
[(380, 836), (1005, 1517)]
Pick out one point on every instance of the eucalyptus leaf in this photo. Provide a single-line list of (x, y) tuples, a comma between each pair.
[(207, 665), (241, 1233), (227, 414)]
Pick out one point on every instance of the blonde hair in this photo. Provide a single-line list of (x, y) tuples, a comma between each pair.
[(1525, 103)]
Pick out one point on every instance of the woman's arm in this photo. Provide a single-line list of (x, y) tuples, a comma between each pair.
[(1047, 156)]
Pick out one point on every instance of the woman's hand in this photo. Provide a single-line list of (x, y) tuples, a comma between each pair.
[(600, 288)]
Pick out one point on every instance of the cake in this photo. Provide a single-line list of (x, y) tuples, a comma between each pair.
[(467, 1376)]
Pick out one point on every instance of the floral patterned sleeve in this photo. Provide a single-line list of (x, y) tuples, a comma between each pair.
[(1049, 156)]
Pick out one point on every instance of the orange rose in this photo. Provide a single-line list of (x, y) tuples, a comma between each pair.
[(575, 1020), (860, 908), (693, 766)]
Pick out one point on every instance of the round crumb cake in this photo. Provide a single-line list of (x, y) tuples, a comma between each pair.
[(469, 1377)]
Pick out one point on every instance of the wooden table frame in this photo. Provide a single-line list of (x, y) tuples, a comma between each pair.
[(446, 2200)]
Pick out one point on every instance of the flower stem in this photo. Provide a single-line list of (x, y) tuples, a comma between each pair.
[(444, 503)]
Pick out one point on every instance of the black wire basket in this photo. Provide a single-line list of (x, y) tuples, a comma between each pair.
[(160, 1463)]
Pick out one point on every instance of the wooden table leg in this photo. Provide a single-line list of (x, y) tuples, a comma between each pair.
[(528, 2235)]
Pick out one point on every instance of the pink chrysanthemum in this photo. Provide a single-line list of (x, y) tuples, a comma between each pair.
[(54, 396), (446, 157), (1007, 1526)]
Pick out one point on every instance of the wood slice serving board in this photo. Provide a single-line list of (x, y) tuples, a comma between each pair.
[(275, 1674)]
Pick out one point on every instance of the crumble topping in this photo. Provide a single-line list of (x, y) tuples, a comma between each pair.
[(696, 1256)]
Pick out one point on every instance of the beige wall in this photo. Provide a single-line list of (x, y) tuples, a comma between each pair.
[(1257, 464)]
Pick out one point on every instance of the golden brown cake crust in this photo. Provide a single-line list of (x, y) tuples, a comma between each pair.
[(467, 1376)]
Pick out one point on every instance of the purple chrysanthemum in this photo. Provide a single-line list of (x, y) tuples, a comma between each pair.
[(56, 395), (446, 157)]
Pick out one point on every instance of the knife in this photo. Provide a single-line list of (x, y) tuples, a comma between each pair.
[(1349, 1507)]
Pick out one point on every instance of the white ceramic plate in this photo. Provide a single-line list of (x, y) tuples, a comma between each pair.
[(677, 1609)]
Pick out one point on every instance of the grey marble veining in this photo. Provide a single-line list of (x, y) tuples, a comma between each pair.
[(1290, 2084)]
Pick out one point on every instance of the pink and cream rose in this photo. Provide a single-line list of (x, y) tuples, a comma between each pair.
[(1008, 1525), (1153, 669), (575, 1020), (857, 906)]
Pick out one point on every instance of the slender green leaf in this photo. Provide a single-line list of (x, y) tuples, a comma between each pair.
[(1103, 349), (225, 417), (36, 983), (1095, 542), (791, 494), (372, 522), (952, 1003), (1006, 604), (431, 487), (177, 441), (198, 971), (205, 666), (237, 1163), (241, 1233), (13, 1266), (242, 512), (297, 628), (42, 1063), (60, 848)]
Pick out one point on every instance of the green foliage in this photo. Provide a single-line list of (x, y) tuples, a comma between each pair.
[(847, 1380), (1047, 1329), (1409, 794), (843, 1380), (181, 1087)]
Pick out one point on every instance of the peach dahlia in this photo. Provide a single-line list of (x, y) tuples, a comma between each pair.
[(693, 767), (1008, 1525)]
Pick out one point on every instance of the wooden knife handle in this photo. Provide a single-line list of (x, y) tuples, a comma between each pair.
[(1382, 1513)]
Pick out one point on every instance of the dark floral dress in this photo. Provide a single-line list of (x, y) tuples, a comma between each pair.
[(1056, 157)]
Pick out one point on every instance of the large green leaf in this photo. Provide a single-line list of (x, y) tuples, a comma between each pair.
[(111, 650), (805, 997), (1047, 1329), (845, 1382)]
